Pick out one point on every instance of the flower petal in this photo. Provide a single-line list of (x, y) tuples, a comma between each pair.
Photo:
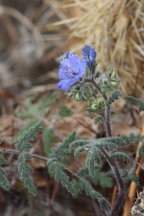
[(67, 83), (82, 68)]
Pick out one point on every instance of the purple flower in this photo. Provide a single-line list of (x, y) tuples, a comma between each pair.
[(71, 70), (89, 55)]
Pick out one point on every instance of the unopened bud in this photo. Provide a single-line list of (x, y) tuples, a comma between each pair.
[(114, 84), (100, 101), (78, 96), (94, 106)]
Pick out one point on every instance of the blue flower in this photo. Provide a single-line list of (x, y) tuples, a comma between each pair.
[(72, 68), (89, 55)]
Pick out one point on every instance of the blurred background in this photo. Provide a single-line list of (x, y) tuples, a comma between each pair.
[(31, 35)]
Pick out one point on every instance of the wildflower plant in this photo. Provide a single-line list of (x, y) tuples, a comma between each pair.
[(81, 80)]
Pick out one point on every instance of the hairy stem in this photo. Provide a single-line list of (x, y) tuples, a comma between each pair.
[(114, 169), (121, 185), (107, 108)]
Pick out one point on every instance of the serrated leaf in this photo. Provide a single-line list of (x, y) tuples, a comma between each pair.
[(120, 156), (40, 108), (65, 111), (28, 135), (141, 150), (136, 102), (2, 160), (56, 169), (80, 149), (97, 119), (114, 96), (3, 180), (49, 138), (24, 170), (86, 186), (134, 177), (106, 145), (105, 205), (90, 160), (79, 142)]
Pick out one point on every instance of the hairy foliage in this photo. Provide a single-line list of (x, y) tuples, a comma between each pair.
[(120, 156), (136, 102), (65, 111), (25, 170), (28, 135), (25, 136), (40, 108), (97, 119), (3, 180), (49, 138), (56, 169), (113, 97), (58, 158), (134, 177)]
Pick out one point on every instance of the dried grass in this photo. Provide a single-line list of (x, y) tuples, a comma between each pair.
[(116, 30)]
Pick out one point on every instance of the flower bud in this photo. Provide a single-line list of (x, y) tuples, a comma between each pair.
[(100, 101), (78, 96), (113, 84), (112, 74), (94, 106)]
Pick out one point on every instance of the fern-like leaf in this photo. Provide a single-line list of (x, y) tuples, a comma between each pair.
[(114, 96), (24, 170), (136, 102), (56, 170), (104, 204), (106, 144), (79, 142), (134, 177), (81, 149), (3, 180), (97, 119), (90, 160), (86, 186), (28, 135), (120, 156)]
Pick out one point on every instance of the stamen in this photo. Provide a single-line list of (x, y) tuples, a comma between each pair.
[(69, 66), (65, 71), (70, 70)]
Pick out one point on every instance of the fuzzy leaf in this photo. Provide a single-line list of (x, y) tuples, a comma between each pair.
[(28, 135), (141, 150), (90, 160), (120, 156), (106, 144), (86, 186), (24, 170), (105, 205), (3, 180), (81, 149), (48, 137), (114, 96), (40, 108), (136, 102), (134, 177), (79, 142), (97, 119), (56, 169), (65, 111)]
